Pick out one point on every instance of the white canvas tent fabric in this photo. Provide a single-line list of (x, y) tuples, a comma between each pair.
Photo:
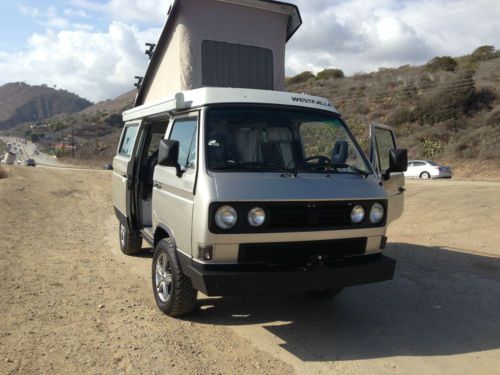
[(225, 43)]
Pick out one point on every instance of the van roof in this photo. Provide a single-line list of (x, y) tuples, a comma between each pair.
[(218, 95), (248, 30)]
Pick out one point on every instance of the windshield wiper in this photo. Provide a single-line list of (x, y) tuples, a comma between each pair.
[(258, 166), (360, 171), (334, 168)]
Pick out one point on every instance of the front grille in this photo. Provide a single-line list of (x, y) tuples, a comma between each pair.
[(297, 216), (300, 252), (309, 215)]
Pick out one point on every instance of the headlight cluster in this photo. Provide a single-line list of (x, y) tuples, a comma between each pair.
[(376, 213), (226, 217)]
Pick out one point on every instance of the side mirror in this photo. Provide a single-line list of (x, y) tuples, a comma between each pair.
[(168, 155), (340, 152), (398, 161)]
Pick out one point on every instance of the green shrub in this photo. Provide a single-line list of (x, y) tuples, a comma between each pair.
[(449, 102), (330, 74), (300, 78), (401, 115), (445, 63), (431, 148), (483, 53)]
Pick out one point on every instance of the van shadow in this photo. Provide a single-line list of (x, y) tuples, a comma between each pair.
[(441, 302)]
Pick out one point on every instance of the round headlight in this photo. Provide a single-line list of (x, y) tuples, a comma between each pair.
[(376, 213), (357, 214), (226, 217), (256, 217)]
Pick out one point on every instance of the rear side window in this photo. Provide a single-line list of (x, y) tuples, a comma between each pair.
[(184, 131), (128, 140)]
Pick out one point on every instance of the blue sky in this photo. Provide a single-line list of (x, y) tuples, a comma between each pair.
[(95, 47)]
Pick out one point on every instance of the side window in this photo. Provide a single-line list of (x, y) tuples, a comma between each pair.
[(130, 133), (384, 141), (184, 131)]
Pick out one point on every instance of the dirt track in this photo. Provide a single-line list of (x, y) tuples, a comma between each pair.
[(72, 303)]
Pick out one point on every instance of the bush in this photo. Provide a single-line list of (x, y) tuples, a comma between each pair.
[(330, 74), (401, 115), (483, 53), (483, 99), (301, 78), (450, 102), (431, 148), (446, 63)]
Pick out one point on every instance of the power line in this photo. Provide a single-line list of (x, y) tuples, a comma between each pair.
[(412, 88)]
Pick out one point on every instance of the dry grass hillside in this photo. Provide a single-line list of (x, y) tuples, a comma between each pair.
[(21, 103), (447, 110)]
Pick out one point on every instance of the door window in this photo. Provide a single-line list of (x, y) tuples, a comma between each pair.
[(128, 140), (184, 131), (384, 141)]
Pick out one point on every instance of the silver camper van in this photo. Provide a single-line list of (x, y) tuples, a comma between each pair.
[(249, 190)]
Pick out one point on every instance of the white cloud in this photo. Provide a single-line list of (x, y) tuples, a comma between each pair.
[(358, 35), (146, 11), (96, 65), (47, 17), (354, 35)]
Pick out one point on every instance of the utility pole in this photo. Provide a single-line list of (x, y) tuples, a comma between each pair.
[(72, 140), (62, 139)]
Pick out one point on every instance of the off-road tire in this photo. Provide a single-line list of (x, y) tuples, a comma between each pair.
[(425, 175), (325, 293), (130, 242), (182, 297)]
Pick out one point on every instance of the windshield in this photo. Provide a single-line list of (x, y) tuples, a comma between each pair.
[(273, 139)]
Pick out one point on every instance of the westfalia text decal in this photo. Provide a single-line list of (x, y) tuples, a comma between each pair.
[(312, 101)]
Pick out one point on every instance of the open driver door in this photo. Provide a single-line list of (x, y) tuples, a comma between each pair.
[(390, 163)]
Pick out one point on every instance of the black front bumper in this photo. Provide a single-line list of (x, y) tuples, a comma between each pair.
[(230, 281)]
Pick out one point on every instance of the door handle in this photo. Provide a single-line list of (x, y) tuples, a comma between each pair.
[(157, 185), (401, 189)]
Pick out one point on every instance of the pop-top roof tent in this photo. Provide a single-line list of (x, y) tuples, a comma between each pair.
[(220, 43)]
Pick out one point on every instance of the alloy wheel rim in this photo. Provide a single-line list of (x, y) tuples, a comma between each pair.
[(163, 277)]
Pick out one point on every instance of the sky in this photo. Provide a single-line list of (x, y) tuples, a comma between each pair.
[(95, 47)]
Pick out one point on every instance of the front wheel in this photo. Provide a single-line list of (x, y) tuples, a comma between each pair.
[(173, 291)]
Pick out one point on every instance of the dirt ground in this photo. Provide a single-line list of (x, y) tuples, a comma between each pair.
[(70, 302)]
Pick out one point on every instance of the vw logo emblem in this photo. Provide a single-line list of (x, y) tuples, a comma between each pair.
[(312, 216)]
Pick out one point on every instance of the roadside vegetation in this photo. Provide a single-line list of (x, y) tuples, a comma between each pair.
[(447, 109)]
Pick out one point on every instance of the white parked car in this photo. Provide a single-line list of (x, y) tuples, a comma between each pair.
[(427, 169)]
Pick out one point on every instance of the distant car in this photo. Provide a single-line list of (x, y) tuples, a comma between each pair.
[(108, 167), (427, 169), (19, 161), (30, 163)]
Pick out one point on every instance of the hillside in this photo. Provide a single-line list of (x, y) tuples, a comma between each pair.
[(21, 103), (447, 110), (116, 105)]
